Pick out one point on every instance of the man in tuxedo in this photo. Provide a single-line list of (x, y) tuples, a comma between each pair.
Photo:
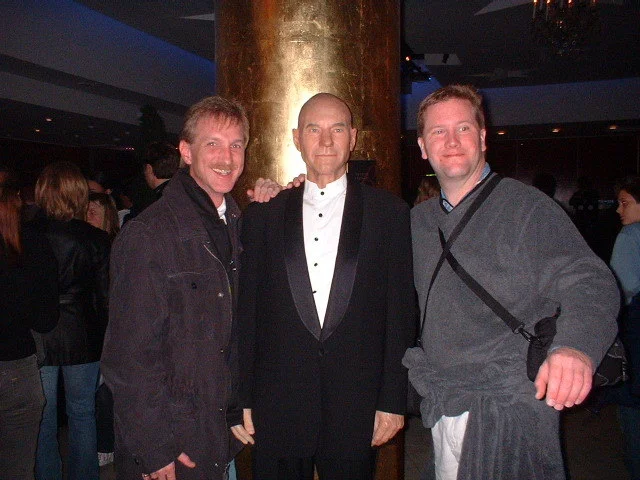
[(326, 311)]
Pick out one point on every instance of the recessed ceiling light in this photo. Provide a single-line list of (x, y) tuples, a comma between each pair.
[(49, 119), (555, 130), (37, 130), (613, 127), (501, 132)]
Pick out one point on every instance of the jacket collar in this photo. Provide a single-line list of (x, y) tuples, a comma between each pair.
[(345, 267), (188, 218)]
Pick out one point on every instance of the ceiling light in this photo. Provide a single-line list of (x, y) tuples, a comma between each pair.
[(568, 27), (48, 119), (37, 130), (501, 132), (613, 127), (555, 130)]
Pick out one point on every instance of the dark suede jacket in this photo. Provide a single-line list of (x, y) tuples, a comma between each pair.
[(169, 357)]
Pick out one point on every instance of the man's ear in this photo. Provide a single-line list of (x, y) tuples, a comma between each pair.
[(354, 138), (296, 138), (185, 151), (422, 149)]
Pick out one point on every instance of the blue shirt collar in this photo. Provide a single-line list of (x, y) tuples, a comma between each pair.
[(443, 198)]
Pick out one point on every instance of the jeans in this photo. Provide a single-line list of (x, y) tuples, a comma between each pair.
[(21, 402), (80, 383), (232, 470)]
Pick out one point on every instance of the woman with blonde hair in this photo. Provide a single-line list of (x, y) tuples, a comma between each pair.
[(73, 348), (28, 300), (102, 213)]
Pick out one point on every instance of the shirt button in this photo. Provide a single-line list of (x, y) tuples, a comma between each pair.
[(315, 264), (220, 294), (321, 193), (220, 410), (215, 465), (316, 239), (320, 215), (222, 350)]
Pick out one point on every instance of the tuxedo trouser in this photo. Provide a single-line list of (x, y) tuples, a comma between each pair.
[(295, 468)]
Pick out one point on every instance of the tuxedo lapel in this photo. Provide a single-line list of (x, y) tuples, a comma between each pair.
[(296, 263), (344, 273)]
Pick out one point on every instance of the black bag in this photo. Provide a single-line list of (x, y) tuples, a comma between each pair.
[(539, 343), (612, 368)]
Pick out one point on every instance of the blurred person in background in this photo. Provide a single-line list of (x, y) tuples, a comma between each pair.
[(429, 187), (73, 348), (625, 262), (28, 300), (102, 214), (97, 182), (162, 161)]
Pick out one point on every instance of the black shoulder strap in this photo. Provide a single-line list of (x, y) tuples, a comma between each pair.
[(512, 322), (482, 196)]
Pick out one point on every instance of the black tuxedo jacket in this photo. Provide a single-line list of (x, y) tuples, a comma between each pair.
[(313, 390)]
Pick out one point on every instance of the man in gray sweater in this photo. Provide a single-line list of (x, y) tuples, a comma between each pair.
[(487, 419)]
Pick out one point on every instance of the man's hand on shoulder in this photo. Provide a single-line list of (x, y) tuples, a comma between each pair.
[(565, 378), (245, 432), (385, 426), (169, 472), (265, 189)]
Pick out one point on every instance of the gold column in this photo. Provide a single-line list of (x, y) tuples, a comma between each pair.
[(273, 55)]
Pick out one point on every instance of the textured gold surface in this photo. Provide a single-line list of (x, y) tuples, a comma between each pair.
[(273, 55)]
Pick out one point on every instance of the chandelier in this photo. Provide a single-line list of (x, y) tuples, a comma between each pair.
[(566, 26)]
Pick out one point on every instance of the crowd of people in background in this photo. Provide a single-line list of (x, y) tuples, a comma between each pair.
[(54, 278), (54, 294)]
